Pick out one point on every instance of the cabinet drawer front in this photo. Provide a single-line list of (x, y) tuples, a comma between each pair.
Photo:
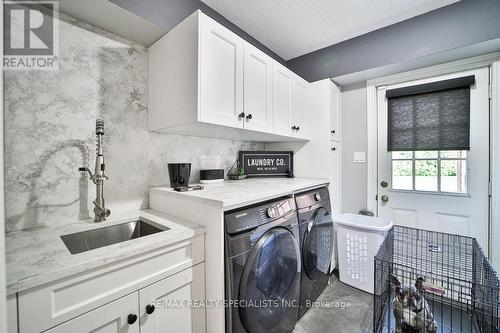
[(176, 300), (48, 306), (108, 318)]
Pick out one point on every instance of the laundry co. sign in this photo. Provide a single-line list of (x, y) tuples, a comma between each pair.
[(267, 163), (30, 35)]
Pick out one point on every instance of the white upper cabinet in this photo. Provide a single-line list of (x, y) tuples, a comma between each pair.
[(300, 108), (282, 90), (221, 75), (335, 115), (257, 96), (204, 80)]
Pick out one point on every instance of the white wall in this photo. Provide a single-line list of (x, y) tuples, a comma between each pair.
[(353, 108)]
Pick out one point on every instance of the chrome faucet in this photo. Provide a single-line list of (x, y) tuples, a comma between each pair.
[(100, 210)]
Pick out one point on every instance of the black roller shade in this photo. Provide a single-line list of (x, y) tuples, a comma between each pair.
[(432, 116)]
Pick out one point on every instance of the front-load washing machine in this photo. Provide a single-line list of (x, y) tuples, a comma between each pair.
[(262, 268)]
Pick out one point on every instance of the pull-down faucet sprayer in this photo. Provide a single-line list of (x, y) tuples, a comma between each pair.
[(100, 210)]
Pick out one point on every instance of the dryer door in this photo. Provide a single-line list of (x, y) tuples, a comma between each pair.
[(317, 245), (270, 283)]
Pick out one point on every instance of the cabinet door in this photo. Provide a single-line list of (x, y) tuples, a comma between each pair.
[(257, 91), (174, 300), (110, 318), (300, 108), (221, 74), (335, 113), (282, 85), (335, 176)]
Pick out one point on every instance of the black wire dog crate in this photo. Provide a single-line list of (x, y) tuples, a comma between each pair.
[(461, 286)]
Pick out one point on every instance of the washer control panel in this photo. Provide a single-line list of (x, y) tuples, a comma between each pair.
[(252, 217)]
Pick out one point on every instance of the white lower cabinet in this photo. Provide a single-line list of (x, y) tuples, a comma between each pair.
[(127, 296), (114, 317), (171, 305)]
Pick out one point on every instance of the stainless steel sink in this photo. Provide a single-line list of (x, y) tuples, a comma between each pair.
[(96, 238)]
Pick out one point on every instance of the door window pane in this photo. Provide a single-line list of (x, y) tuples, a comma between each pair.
[(402, 155), (402, 175), (454, 176), (426, 154), (426, 172), (454, 154)]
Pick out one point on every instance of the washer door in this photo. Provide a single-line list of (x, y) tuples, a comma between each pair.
[(317, 246), (269, 286)]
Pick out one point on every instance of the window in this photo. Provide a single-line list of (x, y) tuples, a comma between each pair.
[(430, 171)]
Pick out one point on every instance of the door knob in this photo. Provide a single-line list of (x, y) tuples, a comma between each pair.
[(384, 198), (384, 184), (131, 318)]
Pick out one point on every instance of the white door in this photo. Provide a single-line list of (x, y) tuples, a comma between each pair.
[(300, 108), (221, 75), (257, 91), (440, 191), (282, 85), (165, 306), (120, 316)]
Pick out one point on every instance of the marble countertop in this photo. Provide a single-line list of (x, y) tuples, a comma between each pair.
[(233, 194), (37, 257)]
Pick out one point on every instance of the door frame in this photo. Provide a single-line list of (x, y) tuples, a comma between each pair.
[(489, 60)]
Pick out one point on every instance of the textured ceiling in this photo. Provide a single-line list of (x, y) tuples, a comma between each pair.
[(295, 27)]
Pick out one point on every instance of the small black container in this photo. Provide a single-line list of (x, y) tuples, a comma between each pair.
[(179, 174)]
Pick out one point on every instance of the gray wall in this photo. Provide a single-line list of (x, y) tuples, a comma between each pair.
[(50, 124), (168, 13), (353, 106), (459, 25)]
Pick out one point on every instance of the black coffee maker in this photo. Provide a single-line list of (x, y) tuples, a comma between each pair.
[(179, 174)]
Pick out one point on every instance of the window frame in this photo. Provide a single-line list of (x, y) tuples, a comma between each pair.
[(438, 159)]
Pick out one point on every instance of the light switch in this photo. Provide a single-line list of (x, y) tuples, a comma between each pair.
[(359, 157)]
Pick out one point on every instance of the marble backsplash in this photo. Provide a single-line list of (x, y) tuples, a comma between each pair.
[(50, 124)]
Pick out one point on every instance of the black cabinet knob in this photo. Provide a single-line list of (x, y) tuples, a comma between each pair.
[(298, 128), (334, 149), (249, 116), (294, 128), (150, 308), (332, 131), (132, 318), (241, 115)]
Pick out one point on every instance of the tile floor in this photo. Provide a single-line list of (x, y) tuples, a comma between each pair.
[(357, 318)]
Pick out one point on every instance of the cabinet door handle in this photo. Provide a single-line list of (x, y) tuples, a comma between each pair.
[(150, 308), (241, 115), (332, 131), (249, 116), (298, 128), (131, 318), (294, 127), (334, 149)]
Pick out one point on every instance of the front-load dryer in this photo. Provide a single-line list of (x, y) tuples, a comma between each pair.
[(316, 242), (262, 268)]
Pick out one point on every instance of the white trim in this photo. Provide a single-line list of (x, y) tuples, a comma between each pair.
[(3, 297), (371, 147), (442, 69), (495, 166), (372, 118)]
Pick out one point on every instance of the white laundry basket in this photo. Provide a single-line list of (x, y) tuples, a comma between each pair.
[(358, 240)]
